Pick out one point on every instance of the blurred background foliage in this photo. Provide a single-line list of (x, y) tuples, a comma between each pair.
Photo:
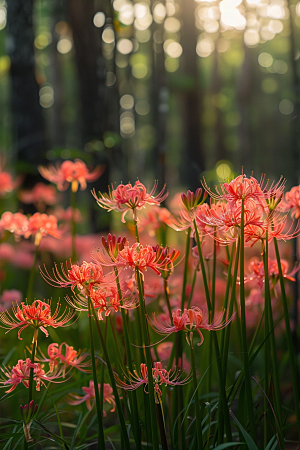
[(172, 89)]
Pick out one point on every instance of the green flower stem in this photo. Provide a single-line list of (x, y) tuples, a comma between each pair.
[(132, 395), (149, 364), (213, 280), (34, 346), (289, 339), (229, 282), (207, 296), (73, 207), (267, 351), (136, 231), (161, 422), (101, 440), (268, 309), (185, 270), (120, 356), (112, 380), (215, 342), (178, 400), (193, 286), (167, 296), (197, 403), (31, 276), (226, 331), (248, 390)]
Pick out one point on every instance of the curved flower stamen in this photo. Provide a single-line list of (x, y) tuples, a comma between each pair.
[(38, 315)]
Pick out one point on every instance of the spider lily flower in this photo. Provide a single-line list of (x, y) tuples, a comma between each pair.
[(160, 377), (27, 413), (41, 225), (89, 396), (153, 218), (258, 272), (40, 195), (15, 223), (240, 188), (292, 201), (126, 197), (20, 373), (138, 257), (189, 321), (164, 254), (74, 172), (114, 245), (65, 356), (104, 299), (81, 277), (38, 315), (191, 200), (186, 219), (6, 182)]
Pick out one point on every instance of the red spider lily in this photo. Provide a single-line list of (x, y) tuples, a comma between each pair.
[(187, 217), (160, 377), (40, 195), (74, 172), (258, 272), (66, 356), (27, 413), (153, 218), (126, 197), (20, 373), (89, 396), (15, 223), (38, 315), (164, 255), (114, 245), (41, 224), (239, 188), (137, 256), (6, 182), (189, 321), (292, 201), (104, 300), (82, 277)]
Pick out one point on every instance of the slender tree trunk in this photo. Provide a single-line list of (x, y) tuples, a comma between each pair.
[(192, 97), (28, 126)]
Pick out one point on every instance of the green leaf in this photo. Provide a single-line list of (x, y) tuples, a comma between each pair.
[(249, 441)]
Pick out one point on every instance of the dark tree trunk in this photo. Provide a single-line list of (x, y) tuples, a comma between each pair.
[(28, 127), (192, 97), (95, 114)]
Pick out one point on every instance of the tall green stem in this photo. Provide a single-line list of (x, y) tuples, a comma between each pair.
[(185, 270), (167, 297), (215, 342), (34, 346), (244, 330), (148, 361), (73, 219), (197, 404), (269, 315), (289, 340), (130, 365), (112, 380), (101, 441), (31, 276)]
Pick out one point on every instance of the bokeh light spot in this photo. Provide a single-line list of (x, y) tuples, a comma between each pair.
[(286, 107), (99, 19), (64, 46), (265, 59), (127, 101)]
